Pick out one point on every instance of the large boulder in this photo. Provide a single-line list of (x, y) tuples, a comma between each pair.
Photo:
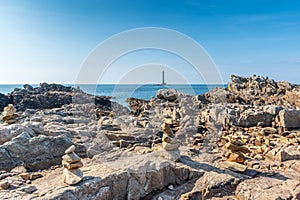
[(289, 118), (34, 153)]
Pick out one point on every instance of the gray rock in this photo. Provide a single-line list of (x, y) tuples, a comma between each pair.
[(34, 153), (167, 94), (289, 118)]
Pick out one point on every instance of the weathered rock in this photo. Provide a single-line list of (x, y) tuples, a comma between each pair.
[(235, 157), (167, 94), (34, 153), (236, 167), (73, 176), (4, 184), (283, 154), (8, 112), (289, 118), (213, 184), (268, 188)]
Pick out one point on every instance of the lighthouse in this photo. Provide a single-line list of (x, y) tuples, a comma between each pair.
[(163, 78)]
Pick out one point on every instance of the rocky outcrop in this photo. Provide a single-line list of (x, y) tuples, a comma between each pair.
[(34, 153), (53, 96)]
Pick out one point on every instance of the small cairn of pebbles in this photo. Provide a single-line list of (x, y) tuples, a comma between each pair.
[(71, 163)]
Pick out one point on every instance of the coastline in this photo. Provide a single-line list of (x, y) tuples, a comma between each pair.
[(174, 145)]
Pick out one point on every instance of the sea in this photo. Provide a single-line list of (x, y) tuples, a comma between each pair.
[(120, 92)]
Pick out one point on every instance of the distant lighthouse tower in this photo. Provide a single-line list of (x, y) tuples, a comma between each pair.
[(163, 78)]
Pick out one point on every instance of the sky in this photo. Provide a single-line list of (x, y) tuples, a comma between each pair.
[(49, 40)]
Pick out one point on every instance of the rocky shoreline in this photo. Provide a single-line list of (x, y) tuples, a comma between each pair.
[(239, 142)]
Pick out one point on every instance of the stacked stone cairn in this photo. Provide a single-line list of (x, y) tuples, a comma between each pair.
[(71, 163), (169, 142)]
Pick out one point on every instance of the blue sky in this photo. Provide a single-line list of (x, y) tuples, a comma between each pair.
[(49, 40)]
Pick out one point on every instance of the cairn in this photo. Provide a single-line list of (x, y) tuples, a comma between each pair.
[(71, 163), (169, 142)]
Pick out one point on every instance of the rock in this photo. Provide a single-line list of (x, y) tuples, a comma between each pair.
[(235, 157), (236, 167), (73, 176), (170, 146), (268, 188), (4, 101), (72, 165), (71, 149), (237, 148), (213, 184), (4, 184), (167, 94), (71, 158), (167, 129), (283, 154), (35, 153), (19, 170), (9, 111), (289, 118), (28, 189), (25, 176), (35, 175)]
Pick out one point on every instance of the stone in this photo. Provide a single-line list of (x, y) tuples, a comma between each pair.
[(236, 167), (9, 110), (35, 175), (167, 129), (167, 94), (233, 148), (19, 170), (235, 157), (268, 188), (283, 154), (28, 189), (289, 118), (72, 165), (71, 149), (213, 184), (73, 176), (71, 158), (4, 185), (35, 153), (25, 176), (170, 147)]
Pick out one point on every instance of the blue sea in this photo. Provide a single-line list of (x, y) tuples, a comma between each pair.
[(122, 92)]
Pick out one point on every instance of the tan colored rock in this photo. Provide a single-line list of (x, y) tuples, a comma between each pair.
[(234, 147), (234, 166), (235, 157), (19, 170), (9, 111), (25, 176), (73, 176), (167, 129), (4, 185), (72, 165), (71, 158)]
